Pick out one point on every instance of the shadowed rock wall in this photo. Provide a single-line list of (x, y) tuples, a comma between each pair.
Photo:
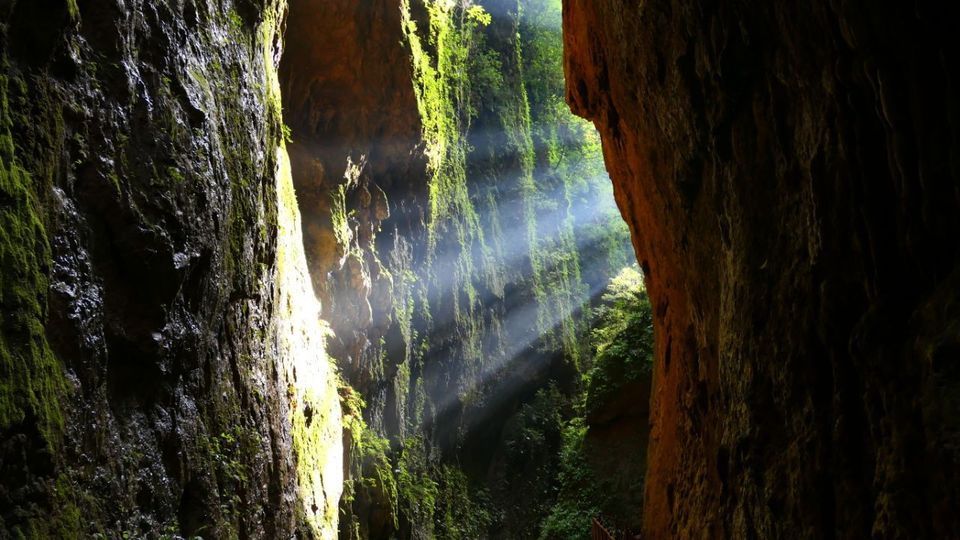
[(790, 174), (161, 361)]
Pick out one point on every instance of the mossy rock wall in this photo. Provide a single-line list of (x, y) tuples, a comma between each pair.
[(445, 230), (147, 385)]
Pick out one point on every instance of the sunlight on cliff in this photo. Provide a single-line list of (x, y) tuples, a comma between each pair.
[(311, 379), (312, 390), (459, 227)]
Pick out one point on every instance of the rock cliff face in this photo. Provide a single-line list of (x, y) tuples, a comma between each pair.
[(440, 228), (163, 370), (161, 361), (356, 150), (789, 172)]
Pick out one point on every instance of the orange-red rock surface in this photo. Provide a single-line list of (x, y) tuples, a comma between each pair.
[(790, 174)]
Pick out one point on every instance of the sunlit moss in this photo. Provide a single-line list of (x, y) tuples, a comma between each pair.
[(314, 402), (539, 175), (439, 57), (622, 338), (316, 423)]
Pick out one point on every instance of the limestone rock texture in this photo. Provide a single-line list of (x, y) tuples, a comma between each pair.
[(789, 171), (440, 238), (162, 371), (358, 167), (355, 129)]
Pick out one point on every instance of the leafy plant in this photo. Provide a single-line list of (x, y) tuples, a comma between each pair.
[(580, 499), (622, 338)]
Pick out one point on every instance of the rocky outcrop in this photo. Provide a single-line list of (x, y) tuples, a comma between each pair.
[(360, 177), (442, 234), (162, 369), (789, 174), (355, 129)]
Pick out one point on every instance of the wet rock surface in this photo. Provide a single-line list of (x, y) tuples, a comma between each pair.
[(144, 134), (358, 168), (788, 172)]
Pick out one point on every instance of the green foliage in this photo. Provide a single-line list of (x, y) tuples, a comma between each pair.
[(526, 481), (580, 498), (487, 80), (438, 500), (236, 22), (537, 421), (622, 338), (462, 511), (542, 42), (625, 323), (227, 453), (175, 175), (378, 471), (477, 15), (418, 490), (372, 475), (440, 55), (442, 88), (467, 70)]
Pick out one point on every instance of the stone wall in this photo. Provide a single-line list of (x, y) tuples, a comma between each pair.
[(789, 172)]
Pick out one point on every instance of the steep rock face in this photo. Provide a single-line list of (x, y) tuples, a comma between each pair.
[(615, 447), (355, 128), (161, 362), (441, 233), (360, 177), (790, 177)]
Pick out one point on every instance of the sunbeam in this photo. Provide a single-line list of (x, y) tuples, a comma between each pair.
[(459, 269)]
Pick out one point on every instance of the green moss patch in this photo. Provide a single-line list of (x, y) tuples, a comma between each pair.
[(31, 379)]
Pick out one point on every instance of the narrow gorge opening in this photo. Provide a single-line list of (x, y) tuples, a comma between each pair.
[(489, 324), (339, 268)]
